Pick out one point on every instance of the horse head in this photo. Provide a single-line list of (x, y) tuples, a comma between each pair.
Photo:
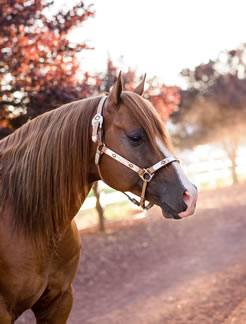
[(134, 153)]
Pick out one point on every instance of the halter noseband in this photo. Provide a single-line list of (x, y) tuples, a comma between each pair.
[(145, 174)]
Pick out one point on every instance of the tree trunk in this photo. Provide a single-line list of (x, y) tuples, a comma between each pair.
[(99, 207), (231, 146), (233, 171)]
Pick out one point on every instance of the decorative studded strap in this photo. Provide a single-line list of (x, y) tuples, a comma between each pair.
[(122, 160), (145, 174), (97, 121), (104, 149), (161, 164)]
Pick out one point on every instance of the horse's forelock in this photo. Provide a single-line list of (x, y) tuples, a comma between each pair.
[(149, 119)]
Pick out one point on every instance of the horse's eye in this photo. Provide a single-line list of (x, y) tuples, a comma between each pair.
[(135, 138)]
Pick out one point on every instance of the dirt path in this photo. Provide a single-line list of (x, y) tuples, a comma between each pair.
[(160, 271)]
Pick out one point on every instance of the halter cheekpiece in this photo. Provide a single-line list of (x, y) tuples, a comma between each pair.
[(145, 174)]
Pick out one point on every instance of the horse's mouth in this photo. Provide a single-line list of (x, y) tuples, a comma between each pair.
[(168, 212)]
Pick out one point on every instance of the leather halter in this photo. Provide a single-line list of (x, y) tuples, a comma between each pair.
[(145, 174)]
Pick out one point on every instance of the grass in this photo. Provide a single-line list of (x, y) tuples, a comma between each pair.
[(122, 210), (113, 212), (106, 190)]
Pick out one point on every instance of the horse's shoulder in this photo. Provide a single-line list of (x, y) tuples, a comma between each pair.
[(66, 258)]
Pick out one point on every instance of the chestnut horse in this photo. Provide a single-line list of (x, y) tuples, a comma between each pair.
[(47, 168)]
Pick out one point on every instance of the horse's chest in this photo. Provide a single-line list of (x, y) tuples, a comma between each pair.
[(23, 278)]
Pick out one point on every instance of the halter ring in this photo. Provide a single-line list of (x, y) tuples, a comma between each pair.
[(146, 176)]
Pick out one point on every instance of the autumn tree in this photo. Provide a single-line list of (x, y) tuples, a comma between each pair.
[(213, 107), (38, 63), (39, 66), (165, 98)]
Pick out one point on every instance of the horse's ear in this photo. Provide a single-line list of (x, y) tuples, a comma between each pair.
[(140, 88), (114, 96)]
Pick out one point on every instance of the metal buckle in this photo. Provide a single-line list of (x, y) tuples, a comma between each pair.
[(98, 155), (97, 119), (96, 122), (146, 176)]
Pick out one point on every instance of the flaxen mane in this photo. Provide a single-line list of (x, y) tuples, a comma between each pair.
[(44, 164)]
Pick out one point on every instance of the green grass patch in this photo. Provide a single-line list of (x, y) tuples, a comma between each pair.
[(117, 211), (220, 183), (113, 212), (106, 190)]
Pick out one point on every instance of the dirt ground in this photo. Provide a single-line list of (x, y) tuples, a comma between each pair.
[(155, 270)]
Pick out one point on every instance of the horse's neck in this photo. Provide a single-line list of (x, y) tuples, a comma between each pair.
[(38, 202)]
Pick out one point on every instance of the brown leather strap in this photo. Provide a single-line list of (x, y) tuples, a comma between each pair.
[(142, 200)]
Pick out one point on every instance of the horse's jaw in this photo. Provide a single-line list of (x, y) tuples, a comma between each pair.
[(168, 212)]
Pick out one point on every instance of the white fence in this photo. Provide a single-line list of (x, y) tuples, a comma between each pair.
[(209, 167)]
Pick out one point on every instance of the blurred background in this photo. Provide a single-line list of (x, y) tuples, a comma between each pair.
[(194, 54), (138, 267)]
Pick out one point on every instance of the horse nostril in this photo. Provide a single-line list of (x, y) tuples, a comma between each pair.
[(186, 199), (189, 200)]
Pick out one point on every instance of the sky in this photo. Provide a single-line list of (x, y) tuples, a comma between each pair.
[(160, 37)]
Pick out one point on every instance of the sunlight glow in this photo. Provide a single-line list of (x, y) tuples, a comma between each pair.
[(209, 167), (161, 37)]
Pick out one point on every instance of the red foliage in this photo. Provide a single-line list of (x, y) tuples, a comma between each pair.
[(165, 99), (39, 66), (38, 63)]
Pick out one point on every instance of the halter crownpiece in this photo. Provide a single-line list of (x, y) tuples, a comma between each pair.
[(97, 120), (145, 174)]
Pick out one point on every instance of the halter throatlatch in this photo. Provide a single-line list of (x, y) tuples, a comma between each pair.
[(145, 174)]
